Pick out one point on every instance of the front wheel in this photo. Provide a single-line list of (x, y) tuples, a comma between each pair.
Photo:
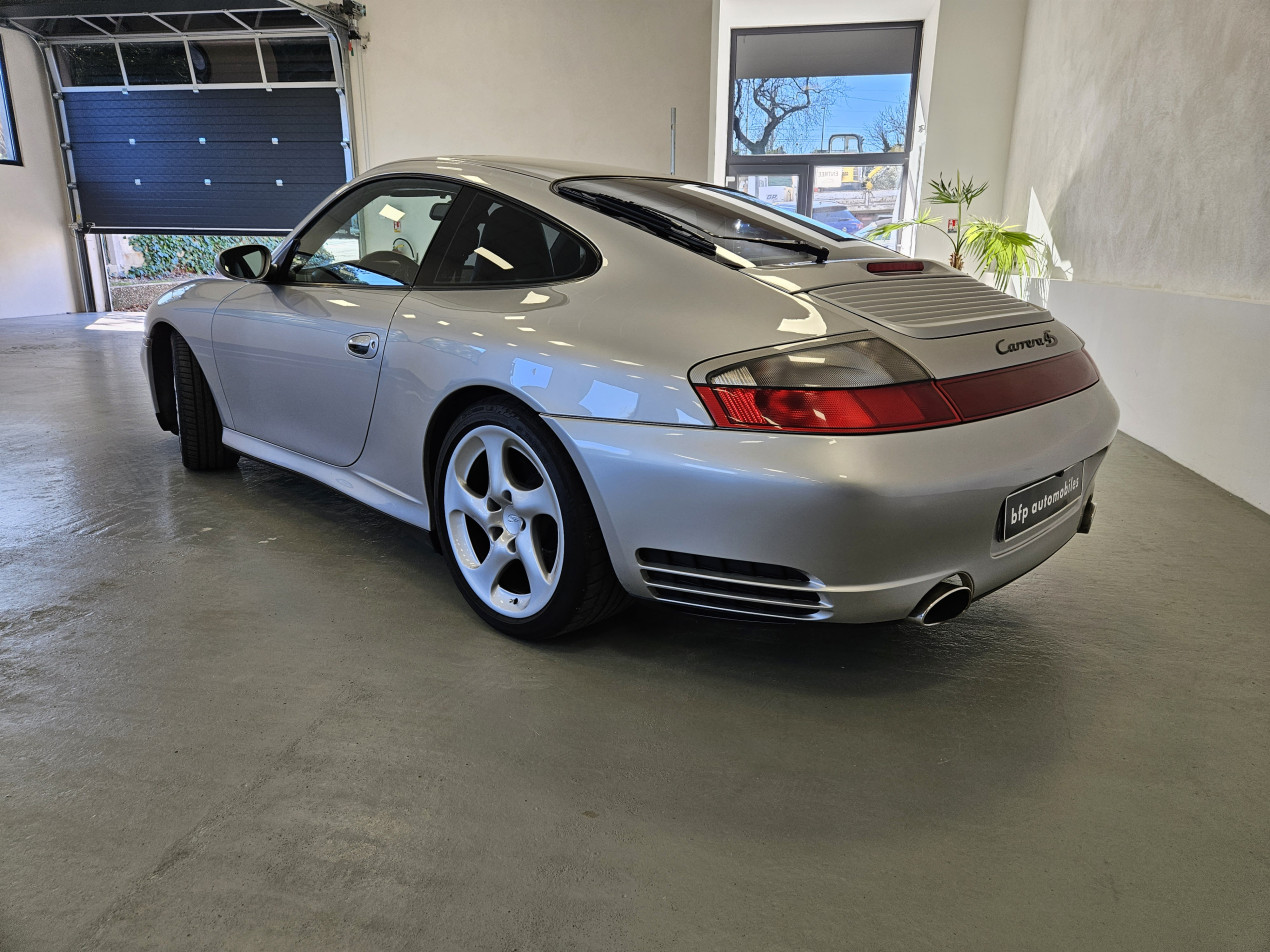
[(517, 528), (198, 422)]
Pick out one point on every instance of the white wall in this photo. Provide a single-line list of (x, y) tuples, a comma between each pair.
[(575, 79), (1142, 128), (1189, 373), (972, 103), (37, 253)]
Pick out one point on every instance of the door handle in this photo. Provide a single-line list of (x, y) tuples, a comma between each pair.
[(364, 345)]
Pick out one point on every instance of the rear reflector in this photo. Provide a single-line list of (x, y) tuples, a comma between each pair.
[(889, 267), (1016, 388), (913, 405)]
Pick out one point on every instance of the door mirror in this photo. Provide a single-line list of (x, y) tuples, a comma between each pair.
[(244, 263)]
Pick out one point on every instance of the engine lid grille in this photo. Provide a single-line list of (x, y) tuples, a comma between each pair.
[(933, 306)]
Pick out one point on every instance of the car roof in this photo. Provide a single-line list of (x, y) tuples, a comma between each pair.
[(548, 170)]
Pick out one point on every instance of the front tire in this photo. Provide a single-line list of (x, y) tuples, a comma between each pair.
[(198, 421), (517, 528)]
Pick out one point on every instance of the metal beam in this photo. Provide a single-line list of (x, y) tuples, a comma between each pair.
[(88, 8)]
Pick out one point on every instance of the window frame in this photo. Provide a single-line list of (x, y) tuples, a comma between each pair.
[(470, 195), (467, 195), (285, 252), (7, 117), (827, 158), (257, 37)]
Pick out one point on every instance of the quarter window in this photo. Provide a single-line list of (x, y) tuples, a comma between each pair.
[(8, 140), (497, 242), (375, 236)]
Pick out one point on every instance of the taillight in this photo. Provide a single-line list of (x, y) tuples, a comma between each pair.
[(871, 386)]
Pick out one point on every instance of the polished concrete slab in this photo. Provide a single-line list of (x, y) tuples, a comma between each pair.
[(238, 711)]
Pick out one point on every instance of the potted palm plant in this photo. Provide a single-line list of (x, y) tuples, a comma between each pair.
[(992, 245)]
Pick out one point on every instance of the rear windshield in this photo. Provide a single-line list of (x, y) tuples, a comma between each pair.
[(737, 224)]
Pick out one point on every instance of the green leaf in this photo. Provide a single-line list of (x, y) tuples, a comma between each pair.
[(167, 256), (1005, 251), (886, 229)]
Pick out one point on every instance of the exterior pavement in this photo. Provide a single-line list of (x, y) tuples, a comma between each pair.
[(239, 711)]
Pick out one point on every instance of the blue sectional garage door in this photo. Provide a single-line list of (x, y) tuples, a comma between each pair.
[(216, 160)]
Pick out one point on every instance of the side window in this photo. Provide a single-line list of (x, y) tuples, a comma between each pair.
[(497, 242), (375, 236), (8, 141)]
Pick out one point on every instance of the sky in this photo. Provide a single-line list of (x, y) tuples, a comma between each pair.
[(854, 110), (868, 95)]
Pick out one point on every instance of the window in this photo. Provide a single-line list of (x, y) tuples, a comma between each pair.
[(375, 236), (192, 61), (9, 154), (155, 64), (297, 60), (819, 90), (224, 61), (822, 120), (497, 242), (729, 226)]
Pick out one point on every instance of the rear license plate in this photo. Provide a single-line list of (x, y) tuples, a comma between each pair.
[(1032, 505)]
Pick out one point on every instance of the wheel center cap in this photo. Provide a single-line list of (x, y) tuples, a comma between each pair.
[(512, 520)]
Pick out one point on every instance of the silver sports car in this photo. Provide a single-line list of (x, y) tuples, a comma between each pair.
[(590, 383)]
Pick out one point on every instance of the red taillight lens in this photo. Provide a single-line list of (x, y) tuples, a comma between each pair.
[(909, 405), (1016, 388), (902, 406)]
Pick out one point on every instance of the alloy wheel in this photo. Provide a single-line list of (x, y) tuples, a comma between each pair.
[(503, 517)]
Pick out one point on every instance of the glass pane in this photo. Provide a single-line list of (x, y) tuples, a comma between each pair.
[(92, 64), (276, 19), (203, 22), (59, 26), (8, 143), (127, 24), (500, 243), (779, 191), (155, 64), (225, 61), (853, 198), (822, 91), (376, 237), (298, 61), (738, 228)]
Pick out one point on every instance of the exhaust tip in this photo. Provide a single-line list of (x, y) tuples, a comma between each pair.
[(942, 603), (1087, 517)]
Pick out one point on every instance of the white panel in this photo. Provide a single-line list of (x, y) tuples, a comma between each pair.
[(1189, 373), (37, 256)]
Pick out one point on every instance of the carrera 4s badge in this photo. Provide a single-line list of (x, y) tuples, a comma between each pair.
[(1045, 340)]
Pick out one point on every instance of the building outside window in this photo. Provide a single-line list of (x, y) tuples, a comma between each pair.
[(822, 119), (9, 154)]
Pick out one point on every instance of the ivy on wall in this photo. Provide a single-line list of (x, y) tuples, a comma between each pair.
[(173, 256)]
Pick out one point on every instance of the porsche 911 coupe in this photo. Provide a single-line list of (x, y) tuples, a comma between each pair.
[(589, 384)]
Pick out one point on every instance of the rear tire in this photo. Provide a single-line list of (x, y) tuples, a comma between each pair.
[(198, 422), (516, 526)]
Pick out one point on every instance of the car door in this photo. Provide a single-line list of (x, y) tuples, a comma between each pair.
[(299, 357)]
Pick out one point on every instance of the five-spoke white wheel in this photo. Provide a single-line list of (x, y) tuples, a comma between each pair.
[(517, 527)]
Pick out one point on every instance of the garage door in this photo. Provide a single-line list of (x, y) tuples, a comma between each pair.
[(229, 121)]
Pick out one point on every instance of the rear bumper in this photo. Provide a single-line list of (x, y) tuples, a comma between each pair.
[(873, 522)]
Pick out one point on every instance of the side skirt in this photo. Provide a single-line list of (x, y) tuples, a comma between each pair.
[(343, 479)]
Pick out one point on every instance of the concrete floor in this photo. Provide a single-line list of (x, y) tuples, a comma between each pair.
[(239, 711)]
